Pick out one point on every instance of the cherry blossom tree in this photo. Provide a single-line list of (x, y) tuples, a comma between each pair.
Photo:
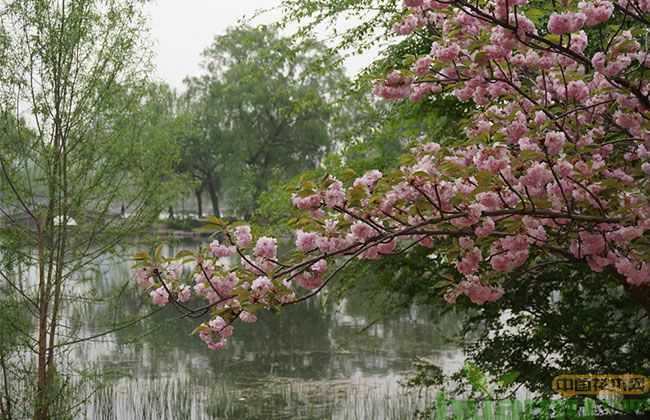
[(552, 169)]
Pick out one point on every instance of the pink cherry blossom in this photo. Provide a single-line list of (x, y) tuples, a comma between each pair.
[(422, 66), (625, 234), (143, 276), (334, 195), (395, 86), (184, 293), (578, 90), (596, 11), (554, 141), (476, 291), (266, 248), (446, 54), (407, 25), (306, 203), (485, 229), (247, 317), (243, 235), (538, 175), (219, 250), (369, 179), (561, 23), (172, 270), (551, 166), (305, 241), (610, 66), (320, 267), (469, 263), (635, 273), (160, 296), (361, 231), (262, 284)]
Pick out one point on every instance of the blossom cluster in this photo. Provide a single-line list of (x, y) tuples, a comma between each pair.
[(558, 130)]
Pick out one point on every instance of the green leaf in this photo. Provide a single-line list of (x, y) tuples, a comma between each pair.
[(326, 183), (183, 253), (304, 221), (408, 59), (208, 228), (508, 378), (407, 159), (358, 193), (142, 256), (214, 221), (476, 378), (553, 38), (236, 224), (197, 329), (534, 12), (447, 276), (306, 193), (442, 283), (348, 174)]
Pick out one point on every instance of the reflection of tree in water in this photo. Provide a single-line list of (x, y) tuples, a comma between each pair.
[(312, 340), (407, 333), (295, 343), (307, 355)]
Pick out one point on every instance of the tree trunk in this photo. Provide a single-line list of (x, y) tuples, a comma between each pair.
[(199, 201), (5, 402), (41, 411), (214, 197)]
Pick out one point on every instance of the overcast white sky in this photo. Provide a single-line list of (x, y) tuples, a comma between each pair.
[(183, 28)]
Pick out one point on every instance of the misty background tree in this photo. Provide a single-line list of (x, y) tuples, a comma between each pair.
[(263, 110)]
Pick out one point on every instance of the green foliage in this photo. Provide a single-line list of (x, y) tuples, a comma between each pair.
[(261, 112), (477, 379), (557, 321), (87, 162), (562, 320), (373, 20), (274, 204), (380, 130)]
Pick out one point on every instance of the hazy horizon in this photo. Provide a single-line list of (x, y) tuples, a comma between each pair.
[(181, 30)]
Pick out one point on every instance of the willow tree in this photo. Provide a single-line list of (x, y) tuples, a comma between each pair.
[(263, 109), (72, 77)]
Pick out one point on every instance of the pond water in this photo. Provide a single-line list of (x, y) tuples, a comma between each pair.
[(310, 361)]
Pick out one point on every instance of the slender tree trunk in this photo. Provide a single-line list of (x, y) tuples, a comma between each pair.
[(214, 197), (5, 406), (46, 250), (199, 201), (41, 411), (62, 233)]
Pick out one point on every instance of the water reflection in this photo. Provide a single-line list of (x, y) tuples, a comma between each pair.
[(309, 361)]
